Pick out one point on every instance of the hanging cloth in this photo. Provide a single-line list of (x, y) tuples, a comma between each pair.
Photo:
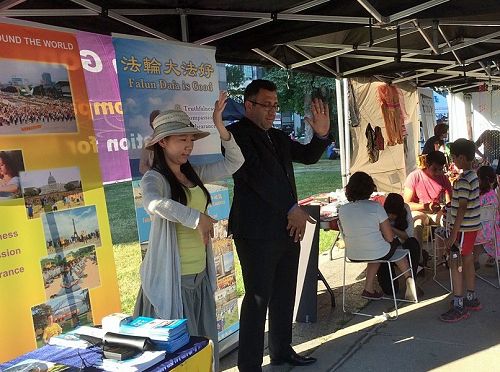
[(379, 138), (392, 112), (371, 144), (353, 106)]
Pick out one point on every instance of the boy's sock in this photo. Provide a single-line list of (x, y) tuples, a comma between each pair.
[(471, 295), (458, 301)]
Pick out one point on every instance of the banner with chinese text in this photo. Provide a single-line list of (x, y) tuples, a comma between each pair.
[(162, 75)]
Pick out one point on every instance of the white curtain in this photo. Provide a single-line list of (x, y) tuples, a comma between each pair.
[(459, 110), (389, 172), (486, 112), (427, 112)]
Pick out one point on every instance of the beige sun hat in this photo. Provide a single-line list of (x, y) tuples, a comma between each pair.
[(173, 122)]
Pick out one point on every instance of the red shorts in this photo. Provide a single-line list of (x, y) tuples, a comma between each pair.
[(465, 241)]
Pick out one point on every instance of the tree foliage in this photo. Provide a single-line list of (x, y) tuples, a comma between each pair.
[(294, 86), (235, 79)]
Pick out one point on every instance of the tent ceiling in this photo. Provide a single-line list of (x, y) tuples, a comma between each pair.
[(446, 43)]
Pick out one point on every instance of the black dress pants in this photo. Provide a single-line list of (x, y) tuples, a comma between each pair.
[(269, 270), (383, 275)]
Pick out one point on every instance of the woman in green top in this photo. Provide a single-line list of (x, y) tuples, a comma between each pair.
[(178, 271)]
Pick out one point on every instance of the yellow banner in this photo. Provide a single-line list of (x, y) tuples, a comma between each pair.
[(56, 261)]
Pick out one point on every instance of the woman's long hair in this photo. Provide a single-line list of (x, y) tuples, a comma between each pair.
[(395, 204), (487, 177), (178, 189), (9, 164)]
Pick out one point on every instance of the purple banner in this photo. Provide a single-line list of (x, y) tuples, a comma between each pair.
[(99, 65)]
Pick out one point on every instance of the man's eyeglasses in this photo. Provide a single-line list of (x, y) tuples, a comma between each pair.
[(267, 106)]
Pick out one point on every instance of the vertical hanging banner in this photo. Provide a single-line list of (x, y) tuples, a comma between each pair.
[(156, 75), (99, 65), (161, 75), (56, 260)]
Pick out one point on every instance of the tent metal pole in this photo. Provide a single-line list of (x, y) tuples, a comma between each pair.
[(415, 9), (426, 38), (184, 28), (97, 9), (374, 12), (340, 119), (269, 57), (347, 135), (320, 58), (304, 54), (7, 4), (361, 47), (258, 22), (472, 42)]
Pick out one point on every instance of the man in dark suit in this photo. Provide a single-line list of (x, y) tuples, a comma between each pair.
[(267, 224)]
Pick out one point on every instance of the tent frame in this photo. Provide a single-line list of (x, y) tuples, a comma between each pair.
[(435, 55)]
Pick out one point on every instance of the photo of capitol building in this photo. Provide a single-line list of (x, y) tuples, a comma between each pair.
[(51, 190), (53, 186)]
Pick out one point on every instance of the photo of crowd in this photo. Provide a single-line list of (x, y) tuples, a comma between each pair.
[(35, 98), (60, 315), (11, 163), (71, 229), (51, 190), (72, 271)]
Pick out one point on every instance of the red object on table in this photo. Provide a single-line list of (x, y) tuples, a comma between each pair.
[(306, 201), (379, 199)]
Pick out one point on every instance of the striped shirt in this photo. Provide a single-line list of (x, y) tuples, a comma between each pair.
[(467, 187)]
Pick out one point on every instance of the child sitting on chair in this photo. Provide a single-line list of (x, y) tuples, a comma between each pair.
[(368, 234), (401, 221), (466, 221)]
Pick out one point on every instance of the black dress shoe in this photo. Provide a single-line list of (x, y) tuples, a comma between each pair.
[(293, 359)]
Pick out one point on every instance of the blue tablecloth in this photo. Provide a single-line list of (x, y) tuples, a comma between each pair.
[(81, 358)]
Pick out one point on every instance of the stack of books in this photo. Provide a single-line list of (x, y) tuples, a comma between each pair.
[(168, 335), (81, 338)]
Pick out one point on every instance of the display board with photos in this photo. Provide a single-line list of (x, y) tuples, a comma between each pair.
[(54, 231)]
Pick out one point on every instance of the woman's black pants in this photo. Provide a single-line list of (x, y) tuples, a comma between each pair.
[(383, 276)]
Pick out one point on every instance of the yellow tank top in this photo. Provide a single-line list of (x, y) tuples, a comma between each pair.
[(191, 249)]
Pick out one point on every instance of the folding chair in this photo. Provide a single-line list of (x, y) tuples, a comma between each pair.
[(489, 215), (398, 255), (438, 245)]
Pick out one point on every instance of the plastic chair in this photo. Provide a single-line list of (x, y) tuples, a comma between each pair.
[(398, 255), (489, 215)]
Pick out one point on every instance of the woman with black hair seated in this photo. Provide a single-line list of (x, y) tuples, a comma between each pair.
[(368, 234), (401, 221)]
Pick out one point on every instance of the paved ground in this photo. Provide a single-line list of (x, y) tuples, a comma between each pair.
[(416, 341)]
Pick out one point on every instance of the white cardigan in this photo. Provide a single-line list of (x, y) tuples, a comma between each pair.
[(160, 271)]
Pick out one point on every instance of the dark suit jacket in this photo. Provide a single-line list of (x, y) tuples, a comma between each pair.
[(264, 186)]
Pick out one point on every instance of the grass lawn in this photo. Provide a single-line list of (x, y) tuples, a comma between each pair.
[(312, 179), (127, 259)]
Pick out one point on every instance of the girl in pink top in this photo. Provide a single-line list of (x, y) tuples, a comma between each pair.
[(488, 196)]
